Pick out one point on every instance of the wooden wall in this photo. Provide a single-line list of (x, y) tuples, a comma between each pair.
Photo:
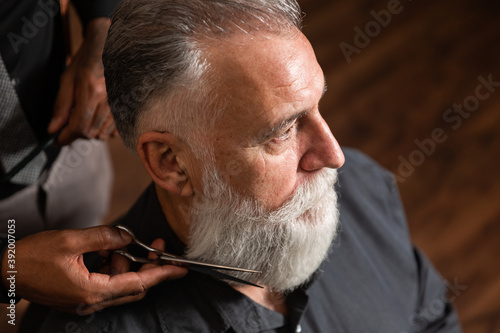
[(405, 83)]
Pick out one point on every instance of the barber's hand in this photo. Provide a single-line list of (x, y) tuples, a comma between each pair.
[(50, 270), (82, 99)]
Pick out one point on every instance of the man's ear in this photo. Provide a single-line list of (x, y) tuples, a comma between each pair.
[(158, 152)]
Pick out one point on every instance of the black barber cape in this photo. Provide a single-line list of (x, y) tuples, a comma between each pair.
[(373, 281)]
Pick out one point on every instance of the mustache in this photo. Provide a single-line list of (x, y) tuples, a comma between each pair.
[(306, 197)]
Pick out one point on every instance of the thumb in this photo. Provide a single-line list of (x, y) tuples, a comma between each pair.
[(99, 238)]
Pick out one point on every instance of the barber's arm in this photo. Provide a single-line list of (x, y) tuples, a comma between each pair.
[(51, 271), (82, 100)]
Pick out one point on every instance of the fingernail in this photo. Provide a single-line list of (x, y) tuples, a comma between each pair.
[(125, 235)]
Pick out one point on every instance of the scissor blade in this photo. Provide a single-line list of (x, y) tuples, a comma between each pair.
[(220, 275), (192, 266), (134, 258), (198, 263)]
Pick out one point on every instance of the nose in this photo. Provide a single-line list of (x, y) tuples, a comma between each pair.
[(321, 148)]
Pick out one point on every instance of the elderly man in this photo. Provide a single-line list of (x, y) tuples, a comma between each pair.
[(220, 100)]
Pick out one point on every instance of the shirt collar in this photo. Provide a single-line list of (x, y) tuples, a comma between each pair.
[(243, 314)]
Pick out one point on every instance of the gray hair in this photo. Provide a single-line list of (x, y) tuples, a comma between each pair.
[(153, 59)]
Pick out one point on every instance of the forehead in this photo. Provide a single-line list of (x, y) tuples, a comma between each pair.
[(264, 77)]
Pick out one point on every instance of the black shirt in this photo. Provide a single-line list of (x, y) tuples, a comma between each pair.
[(373, 281)]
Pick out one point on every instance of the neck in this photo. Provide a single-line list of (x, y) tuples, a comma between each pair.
[(175, 209)]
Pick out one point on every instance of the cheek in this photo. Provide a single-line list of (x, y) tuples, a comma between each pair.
[(274, 179), (278, 185), (269, 179)]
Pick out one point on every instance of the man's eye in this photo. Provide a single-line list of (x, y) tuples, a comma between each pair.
[(287, 134)]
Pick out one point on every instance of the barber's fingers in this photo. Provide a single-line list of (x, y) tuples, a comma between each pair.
[(118, 264), (134, 283), (78, 125), (107, 128), (92, 122), (64, 102), (101, 114), (128, 287), (114, 264), (136, 289), (81, 122), (158, 244), (148, 276), (77, 242), (102, 124), (85, 108), (109, 290), (91, 106)]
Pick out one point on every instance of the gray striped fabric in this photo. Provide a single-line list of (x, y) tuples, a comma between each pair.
[(16, 137)]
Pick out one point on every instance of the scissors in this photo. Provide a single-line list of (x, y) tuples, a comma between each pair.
[(172, 259)]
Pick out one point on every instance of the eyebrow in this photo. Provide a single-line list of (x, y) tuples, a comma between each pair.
[(281, 125), (286, 122)]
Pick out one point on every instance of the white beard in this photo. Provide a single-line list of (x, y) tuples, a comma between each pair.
[(287, 244)]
